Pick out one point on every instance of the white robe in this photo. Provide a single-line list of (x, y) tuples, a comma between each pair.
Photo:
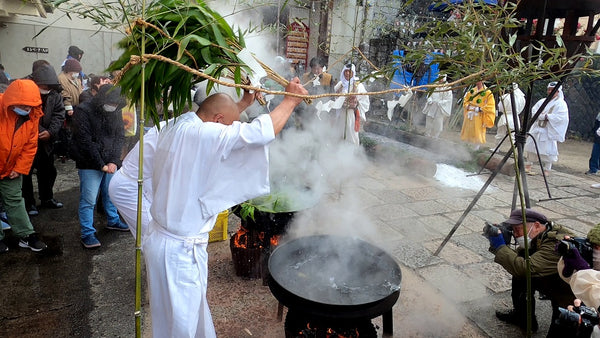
[(505, 106), (123, 188), (200, 169), (438, 106), (547, 137), (347, 129)]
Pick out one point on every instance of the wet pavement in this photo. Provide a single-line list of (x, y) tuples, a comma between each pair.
[(72, 292)]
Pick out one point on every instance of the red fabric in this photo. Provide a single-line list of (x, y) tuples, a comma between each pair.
[(18, 147), (356, 120)]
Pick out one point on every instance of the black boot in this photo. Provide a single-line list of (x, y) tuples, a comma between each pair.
[(516, 318)]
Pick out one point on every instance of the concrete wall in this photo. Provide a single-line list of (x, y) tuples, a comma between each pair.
[(18, 31)]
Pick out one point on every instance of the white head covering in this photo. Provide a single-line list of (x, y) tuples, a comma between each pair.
[(345, 83), (560, 91)]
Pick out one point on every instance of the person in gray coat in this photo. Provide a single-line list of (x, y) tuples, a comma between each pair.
[(50, 124)]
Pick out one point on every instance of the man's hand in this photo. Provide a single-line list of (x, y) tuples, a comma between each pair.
[(352, 102), (13, 174), (247, 100), (109, 168), (43, 136), (295, 87), (497, 241)]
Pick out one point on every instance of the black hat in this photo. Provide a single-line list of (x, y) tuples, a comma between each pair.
[(75, 51), (516, 217), (45, 75)]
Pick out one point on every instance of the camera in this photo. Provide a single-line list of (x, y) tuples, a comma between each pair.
[(580, 321), (491, 230), (583, 245)]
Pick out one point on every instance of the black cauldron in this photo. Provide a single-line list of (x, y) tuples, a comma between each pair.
[(335, 277)]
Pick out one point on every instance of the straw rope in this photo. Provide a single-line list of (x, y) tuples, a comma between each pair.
[(135, 59)]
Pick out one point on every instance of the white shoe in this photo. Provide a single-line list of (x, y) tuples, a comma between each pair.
[(595, 185), (5, 226)]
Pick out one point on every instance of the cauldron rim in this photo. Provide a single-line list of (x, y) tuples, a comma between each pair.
[(278, 289)]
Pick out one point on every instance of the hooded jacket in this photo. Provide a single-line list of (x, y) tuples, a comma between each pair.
[(98, 135), (52, 105), (19, 134)]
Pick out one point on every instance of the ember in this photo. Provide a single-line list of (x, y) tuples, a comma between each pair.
[(249, 252), (299, 326)]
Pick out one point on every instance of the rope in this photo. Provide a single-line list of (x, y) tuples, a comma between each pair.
[(135, 59)]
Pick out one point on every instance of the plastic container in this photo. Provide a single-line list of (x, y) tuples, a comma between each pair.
[(219, 232)]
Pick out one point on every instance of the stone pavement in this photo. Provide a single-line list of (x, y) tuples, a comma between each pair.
[(457, 293), (453, 295)]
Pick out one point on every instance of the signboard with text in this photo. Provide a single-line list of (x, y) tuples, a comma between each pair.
[(43, 50)]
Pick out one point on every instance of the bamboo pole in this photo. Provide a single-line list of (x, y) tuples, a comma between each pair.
[(138, 224)]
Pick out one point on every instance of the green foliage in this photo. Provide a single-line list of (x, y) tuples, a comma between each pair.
[(188, 32), (273, 203), (484, 41), (367, 142)]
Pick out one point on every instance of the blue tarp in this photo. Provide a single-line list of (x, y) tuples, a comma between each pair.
[(402, 77)]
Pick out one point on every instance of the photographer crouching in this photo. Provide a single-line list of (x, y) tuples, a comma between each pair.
[(543, 237), (579, 266)]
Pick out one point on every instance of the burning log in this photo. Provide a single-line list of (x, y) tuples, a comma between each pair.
[(300, 326), (250, 250)]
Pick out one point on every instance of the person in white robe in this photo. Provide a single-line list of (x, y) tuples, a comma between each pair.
[(204, 163), (549, 129), (437, 108), (348, 118), (506, 113), (123, 188)]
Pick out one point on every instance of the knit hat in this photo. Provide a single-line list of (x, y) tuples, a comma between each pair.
[(72, 65), (516, 217), (594, 235), (45, 75)]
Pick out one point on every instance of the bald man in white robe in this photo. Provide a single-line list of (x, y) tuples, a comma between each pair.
[(204, 163)]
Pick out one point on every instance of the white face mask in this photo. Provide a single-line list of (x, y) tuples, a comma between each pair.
[(44, 91), (75, 75), (109, 108), (521, 240), (596, 259)]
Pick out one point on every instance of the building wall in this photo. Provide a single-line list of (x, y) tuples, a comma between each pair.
[(17, 32)]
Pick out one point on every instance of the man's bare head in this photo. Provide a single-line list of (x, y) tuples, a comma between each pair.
[(219, 108)]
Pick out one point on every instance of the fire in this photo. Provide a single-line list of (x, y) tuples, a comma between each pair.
[(329, 332), (245, 238), (240, 239), (274, 240)]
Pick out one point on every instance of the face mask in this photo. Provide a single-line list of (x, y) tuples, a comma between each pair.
[(21, 112), (521, 240), (109, 108), (44, 91), (75, 75), (596, 259)]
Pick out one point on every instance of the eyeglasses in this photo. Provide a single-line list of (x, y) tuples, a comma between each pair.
[(552, 84)]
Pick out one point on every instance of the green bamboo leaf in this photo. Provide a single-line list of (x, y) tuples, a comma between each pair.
[(206, 55), (218, 37), (209, 87)]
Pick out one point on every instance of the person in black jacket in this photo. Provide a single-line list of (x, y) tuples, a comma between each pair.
[(98, 137), (594, 163), (54, 115)]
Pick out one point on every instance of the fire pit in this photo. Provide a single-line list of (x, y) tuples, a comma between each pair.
[(258, 233), (334, 279)]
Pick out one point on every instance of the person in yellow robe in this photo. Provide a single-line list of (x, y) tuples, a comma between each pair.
[(479, 113)]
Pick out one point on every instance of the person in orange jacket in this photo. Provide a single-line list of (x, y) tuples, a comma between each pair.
[(20, 112)]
